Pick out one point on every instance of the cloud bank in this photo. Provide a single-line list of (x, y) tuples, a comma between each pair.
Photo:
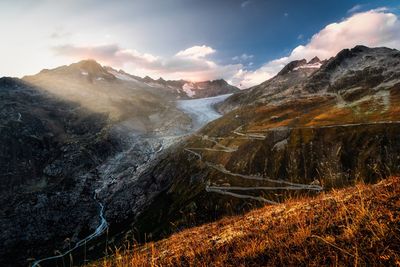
[(191, 64), (372, 28)]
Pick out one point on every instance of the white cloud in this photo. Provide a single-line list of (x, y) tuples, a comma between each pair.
[(243, 57), (372, 28), (354, 9), (108, 54), (246, 78), (196, 52), (380, 9)]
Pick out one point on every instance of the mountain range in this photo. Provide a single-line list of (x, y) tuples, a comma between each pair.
[(85, 137), (306, 130)]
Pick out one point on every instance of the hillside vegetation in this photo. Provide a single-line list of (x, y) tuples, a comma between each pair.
[(358, 225)]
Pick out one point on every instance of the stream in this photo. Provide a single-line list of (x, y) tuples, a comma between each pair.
[(99, 231)]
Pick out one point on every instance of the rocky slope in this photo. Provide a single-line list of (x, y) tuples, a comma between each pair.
[(49, 151), (357, 71), (67, 135), (311, 128)]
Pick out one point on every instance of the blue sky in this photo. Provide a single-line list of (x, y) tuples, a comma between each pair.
[(243, 41)]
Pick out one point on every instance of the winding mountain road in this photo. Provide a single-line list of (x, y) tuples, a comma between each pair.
[(226, 190), (258, 133), (284, 185), (201, 112)]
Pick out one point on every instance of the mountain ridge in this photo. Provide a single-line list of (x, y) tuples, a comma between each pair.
[(321, 79), (93, 71)]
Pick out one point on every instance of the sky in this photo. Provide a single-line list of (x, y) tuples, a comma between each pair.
[(242, 41)]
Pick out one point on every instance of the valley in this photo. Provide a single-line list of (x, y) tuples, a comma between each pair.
[(159, 160), (273, 147), (199, 133), (102, 145)]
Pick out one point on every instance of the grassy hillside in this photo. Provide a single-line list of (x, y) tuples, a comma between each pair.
[(354, 226)]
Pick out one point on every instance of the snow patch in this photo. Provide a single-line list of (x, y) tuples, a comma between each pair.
[(153, 84), (188, 88), (309, 66), (84, 73), (122, 76)]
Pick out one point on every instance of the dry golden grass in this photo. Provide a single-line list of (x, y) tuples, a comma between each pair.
[(358, 226)]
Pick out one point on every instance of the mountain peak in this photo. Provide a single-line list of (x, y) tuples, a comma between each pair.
[(88, 61), (291, 66), (359, 52), (220, 82), (89, 64), (148, 79), (92, 69), (313, 64), (360, 48), (314, 60)]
